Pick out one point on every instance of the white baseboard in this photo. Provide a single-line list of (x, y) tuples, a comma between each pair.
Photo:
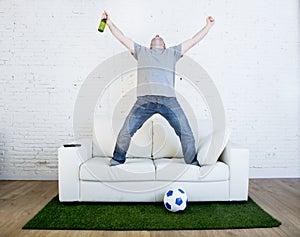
[(256, 173), (28, 177)]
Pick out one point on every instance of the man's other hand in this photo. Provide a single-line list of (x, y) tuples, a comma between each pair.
[(210, 21)]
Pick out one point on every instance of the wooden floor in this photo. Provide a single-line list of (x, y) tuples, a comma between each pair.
[(21, 200)]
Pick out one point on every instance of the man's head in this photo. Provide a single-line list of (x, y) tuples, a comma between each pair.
[(157, 42)]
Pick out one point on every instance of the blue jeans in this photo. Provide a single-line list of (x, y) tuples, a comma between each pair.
[(144, 108)]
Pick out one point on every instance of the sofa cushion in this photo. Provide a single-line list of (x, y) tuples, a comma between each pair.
[(210, 147), (165, 141), (134, 169), (176, 169), (105, 134)]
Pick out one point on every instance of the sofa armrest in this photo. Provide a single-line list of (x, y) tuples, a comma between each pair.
[(237, 158), (69, 161)]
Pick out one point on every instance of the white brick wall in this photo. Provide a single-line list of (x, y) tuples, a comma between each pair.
[(47, 49)]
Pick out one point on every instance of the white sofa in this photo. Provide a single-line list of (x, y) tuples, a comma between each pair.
[(154, 161), (86, 176)]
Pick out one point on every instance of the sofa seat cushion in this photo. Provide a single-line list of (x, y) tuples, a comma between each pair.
[(134, 169), (176, 169)]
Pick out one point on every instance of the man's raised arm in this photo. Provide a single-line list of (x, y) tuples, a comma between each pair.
[(128, 43), (186, 45)]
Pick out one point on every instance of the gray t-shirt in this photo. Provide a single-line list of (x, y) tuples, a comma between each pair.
[(156, 70)]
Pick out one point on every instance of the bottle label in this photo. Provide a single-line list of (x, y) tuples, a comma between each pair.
[(102, 25)]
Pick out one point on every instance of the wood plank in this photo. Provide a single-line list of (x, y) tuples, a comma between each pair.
[(280, 200)]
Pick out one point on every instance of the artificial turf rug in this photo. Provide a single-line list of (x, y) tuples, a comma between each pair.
[(150, 216)]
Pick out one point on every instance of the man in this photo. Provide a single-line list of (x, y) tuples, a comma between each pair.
[(155, 90)]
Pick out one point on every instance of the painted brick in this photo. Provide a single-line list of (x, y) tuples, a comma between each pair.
[(47, 49)]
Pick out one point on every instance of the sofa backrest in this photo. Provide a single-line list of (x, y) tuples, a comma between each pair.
[(156, 138)]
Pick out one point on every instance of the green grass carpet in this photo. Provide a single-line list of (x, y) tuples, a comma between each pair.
[(150, 216)]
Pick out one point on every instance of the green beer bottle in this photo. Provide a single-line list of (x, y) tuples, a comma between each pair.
[(102, 25)]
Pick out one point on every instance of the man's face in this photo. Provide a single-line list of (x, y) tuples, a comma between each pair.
[(157, 42)]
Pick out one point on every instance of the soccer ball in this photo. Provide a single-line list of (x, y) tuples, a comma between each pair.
[(175, 199)]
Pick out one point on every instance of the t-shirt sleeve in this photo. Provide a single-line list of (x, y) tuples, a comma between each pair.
[(177, 51), (137, 50)]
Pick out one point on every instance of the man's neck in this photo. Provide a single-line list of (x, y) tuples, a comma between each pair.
[(157, 48)]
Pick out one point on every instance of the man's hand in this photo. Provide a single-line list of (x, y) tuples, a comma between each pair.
[(210, 21), (186, 45), (104, 15)]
